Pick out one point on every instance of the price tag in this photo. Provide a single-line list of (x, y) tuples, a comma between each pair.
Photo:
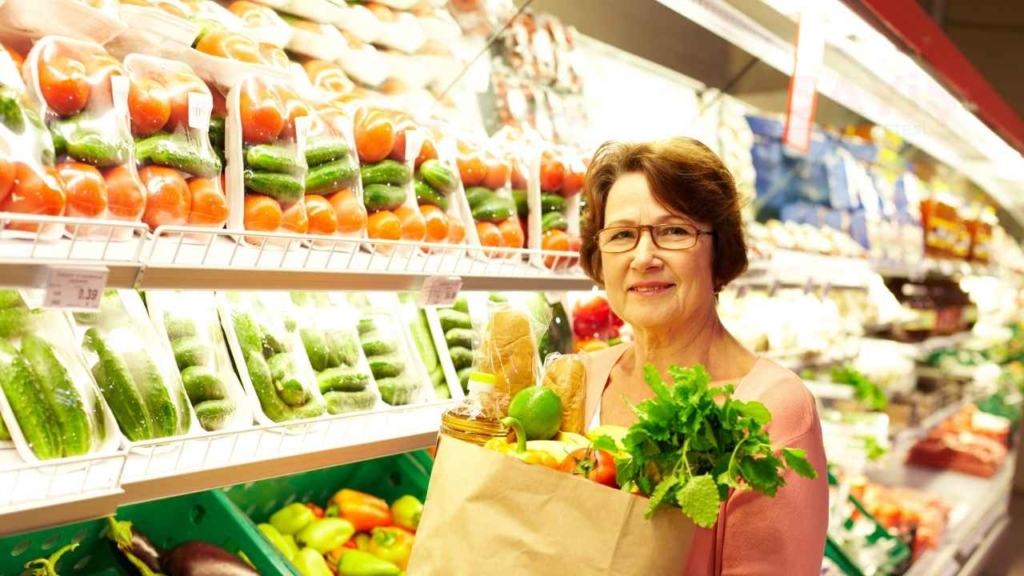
[(199, 108), (75, 288), (439, 291)]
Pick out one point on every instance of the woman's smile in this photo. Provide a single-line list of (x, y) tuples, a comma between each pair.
[(648, 289)]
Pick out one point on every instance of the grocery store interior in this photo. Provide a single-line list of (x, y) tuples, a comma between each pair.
[(259, 257)]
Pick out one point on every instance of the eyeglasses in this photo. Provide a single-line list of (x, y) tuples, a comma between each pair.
[(665, 236)]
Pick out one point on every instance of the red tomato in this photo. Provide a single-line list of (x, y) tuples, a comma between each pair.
[(427, 152), (63, 84), (148, 106), (375, 135), (34, 193), (518, 180), (472, 169), (295, 219), (126, 198), (572, 183), (85, 189), (262, 113), (497, 174), (552, 172), (179, 86), (209, 206), (168, 197), (6, 178), (596, 465), (398, 149), (224, 43), (323, 220)]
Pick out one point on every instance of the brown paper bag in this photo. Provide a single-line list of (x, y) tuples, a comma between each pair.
[(487, 513)]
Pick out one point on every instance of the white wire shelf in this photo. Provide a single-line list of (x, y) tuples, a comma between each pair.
[(34, 496), (214, 259)]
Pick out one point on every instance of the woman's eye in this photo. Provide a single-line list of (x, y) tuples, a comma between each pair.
[(623, 235), (677, 231)]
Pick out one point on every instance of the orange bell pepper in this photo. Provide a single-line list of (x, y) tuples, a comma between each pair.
[(364, 511)]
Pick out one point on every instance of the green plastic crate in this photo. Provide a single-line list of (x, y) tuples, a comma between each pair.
[(899, 557), (387, 478), (207, 516)]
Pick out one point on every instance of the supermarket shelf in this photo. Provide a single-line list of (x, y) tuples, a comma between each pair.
[(932, 266), (976, 562), (161, 468), (903, 439), (808, 270)]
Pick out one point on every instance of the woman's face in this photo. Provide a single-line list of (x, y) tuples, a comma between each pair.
[(649, 287)]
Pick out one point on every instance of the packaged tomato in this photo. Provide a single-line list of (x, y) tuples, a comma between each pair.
[(399, 30), (314, 39), (360, 22), (266, 133), (261, 23), (327, 80), (498, 211), (439, 191), (326, 11), (362, 61), (224, 57), (155, 27), (169, 109), (83, 95), (559, 180), (334, 192), (92, 20)]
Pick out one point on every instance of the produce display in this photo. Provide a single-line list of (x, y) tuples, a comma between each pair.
[(495, 206), (270, 356), (45, 384), (460, 339), (919, 518), (332, 345), (561, 180), (438, 195), (138, 554), (135, 372), (396, 371), (419, 330), (352, 534), (192, 327), (594, 325), (333, 188), (969, 441)]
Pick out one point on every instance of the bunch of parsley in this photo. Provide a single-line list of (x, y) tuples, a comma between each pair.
[(692, 443)]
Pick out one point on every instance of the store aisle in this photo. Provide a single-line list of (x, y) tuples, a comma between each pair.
[(1009, 559)]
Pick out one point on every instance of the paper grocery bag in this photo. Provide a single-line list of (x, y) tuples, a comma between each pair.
[(487, 513)]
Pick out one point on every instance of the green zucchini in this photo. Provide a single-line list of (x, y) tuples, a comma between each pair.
[(271, 158), (33, 413), (60, 392), (118, 389), (331, 177), (322, 150), (281, 187), (386, 172), (379, 197), (426, 194)]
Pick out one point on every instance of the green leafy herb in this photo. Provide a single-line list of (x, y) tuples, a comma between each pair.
[(48, 566), (692, 443), (875, 450), (865, 390)]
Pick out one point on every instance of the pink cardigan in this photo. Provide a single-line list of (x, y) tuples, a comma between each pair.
[(757, 535)]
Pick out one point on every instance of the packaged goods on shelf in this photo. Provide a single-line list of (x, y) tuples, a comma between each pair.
[(426, 347), (262, 24), (918, 517), (966, 442), (439, 194), (90, 21)]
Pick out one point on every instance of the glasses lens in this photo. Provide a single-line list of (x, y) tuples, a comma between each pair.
[(617, 239), (675, 236)]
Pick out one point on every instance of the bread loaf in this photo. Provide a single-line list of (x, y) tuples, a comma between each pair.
[(510, 353), (567, 376)]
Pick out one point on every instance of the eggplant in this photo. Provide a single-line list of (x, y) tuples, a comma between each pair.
[(195, 558), (132, 547)]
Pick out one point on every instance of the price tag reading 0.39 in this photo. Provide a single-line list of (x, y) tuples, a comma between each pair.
[(75, 288)]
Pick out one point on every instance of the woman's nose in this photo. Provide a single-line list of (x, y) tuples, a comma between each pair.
[(645, 254)]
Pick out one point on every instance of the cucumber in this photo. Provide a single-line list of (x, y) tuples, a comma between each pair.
[(365, 326), (461, 357), (179, 153), (263, 384), (310, 409), (451, 318), (397, 391), (315, 342), (10, 299), (387, 366), (160, 403), (271, 158), (496, 209), (249, 334), (420, 331), (33, 413), (287, 381), (344, 402), (213, 414), (202, 384), (437, 377), (342, 380), (554, 221), (119, 389), (60, 392), (378, 347), (329, 348), (386, 172), (464, 378), (179, 327), (330, 177), (94, 149), (5, 434), (281, 187), (477, 195), (425, 194), (11, 114), (190, 351), (463, 337), (439, 177), (379, 197), (14, 322), (522, 205), (218, 127), (322, 150), (552, 203), (461, 305)]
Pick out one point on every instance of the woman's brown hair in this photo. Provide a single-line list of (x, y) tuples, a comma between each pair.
[(685, 177)]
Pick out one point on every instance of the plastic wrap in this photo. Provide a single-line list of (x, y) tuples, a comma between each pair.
[(193, 335), (224, 58), (399, 374), (360, 22), (170, 110), (92, 21), (509, 351), (47, 397), (399, 30), (457, 333), (495, 206), (438, 190), (328, 80), (328, 330), (557, 228), (155, 27), (261, 23), (135, 372), (314, 39), (567, 376), (268, 351), (334, 193), (83, 95), (445, 383), (362, 61), (439, 26), (265, 148)]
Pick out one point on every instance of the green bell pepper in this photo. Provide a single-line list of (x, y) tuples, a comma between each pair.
[(358, 563), (276, 539), (326, 534), (406, 512), (392, 544), (291, 547), (292, 518), (310, 563)]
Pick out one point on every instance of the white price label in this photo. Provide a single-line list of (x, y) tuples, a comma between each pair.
[(75, 288), (199, 108), (439, 291)]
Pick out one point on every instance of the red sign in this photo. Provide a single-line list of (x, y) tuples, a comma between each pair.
[(803, 84)]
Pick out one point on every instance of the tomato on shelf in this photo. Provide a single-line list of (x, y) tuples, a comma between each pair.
[(126, 198), (85, 189), (552, 172), (178, 85), (350, 212), (375, 135), (414, 228), (209, 206), (168, 197), (456, 230), (36, 194), (472, 169), (322, 217), (384, 225), (427, 152), (7, 172), (63, 83), (262, 213), (512, 235), (225, 43), (262, 113), (148, 106), (436, 223)]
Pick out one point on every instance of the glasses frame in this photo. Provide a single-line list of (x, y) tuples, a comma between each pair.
[(650, 232)]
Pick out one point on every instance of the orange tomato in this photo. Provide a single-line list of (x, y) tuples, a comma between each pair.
[(559, 241), (328, 76), (518, 180), (252, 14), (6, 178), (498, 171), (262, 113), (552, 172), (322, 217), (294, 108), (100, 67), (456, 230), (262, 213), (224, 43), (18, 59), (436, 222), (148, 106), (178, 86), (350, 211), (168, 198), (489, 235), (398, 149), (295, 219), (384, 225), (126, 198), (427, 152), (84, 188), (34, 193), (572, 183), (512, 235), (472, 169), (374, 135), (64, 85), (414, 228), (209, 206)]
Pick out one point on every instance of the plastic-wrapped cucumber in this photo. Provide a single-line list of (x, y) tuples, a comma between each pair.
[(461, 357), (73, 419), (464, 378), (119, 389), (5, 435), (374, 345), (451, 318), (202, 384), (13, 322), (287, 381), (329, 348), (179, 327), (343, 402), (34, 414), (162, 405), (10, 299), (263, 383), (365, 326), (249, 333), (387, 366), (343, 379), (190, 351), (213, 414), (463, 337), (397, 391)]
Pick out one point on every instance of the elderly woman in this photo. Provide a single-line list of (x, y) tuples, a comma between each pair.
[(663, 235)]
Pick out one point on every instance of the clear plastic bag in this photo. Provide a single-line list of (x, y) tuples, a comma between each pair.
[(334, 193), (509, 351), (267, 349), (84, 96), (155, 27), (328, 80), (438, 189), (170, 109), (327, 326), (47, 396), (495, 208), (457, 333), (559, 180), (192, 327), (92, 20), (135, 372), (362, 61), (314, 39), (225, 57), (261, 23), (566, 374)]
